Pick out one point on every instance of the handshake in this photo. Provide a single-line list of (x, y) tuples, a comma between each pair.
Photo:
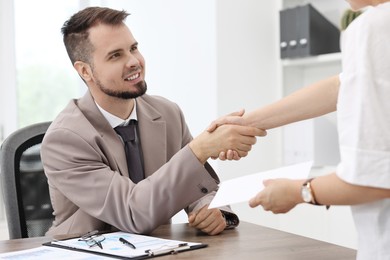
[(230, 137)]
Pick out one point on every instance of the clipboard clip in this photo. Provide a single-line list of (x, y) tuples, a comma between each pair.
[(168, 249)]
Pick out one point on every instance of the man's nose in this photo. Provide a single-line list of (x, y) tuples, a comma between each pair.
[(132, 60)]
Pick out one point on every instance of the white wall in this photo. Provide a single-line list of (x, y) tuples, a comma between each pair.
[(248, 77), (7, 86), (248, 74), (8, 117)]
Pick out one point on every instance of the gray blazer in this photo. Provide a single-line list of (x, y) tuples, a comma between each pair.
[(85, 164)]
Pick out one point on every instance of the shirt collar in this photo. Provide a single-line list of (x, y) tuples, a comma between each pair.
[(115, 121)]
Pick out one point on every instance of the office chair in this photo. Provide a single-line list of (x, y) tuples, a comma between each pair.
[(25, 190)]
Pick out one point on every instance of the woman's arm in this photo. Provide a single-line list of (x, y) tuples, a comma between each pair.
[(312, 101), (282, 195)]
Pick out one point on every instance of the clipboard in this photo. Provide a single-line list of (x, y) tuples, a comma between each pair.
[(146, 246)]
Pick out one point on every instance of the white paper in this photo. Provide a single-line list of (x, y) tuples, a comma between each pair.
[(244, 188), (49, 253), (112, 246)]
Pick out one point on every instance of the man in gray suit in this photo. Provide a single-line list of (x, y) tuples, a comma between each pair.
[(84, 158)]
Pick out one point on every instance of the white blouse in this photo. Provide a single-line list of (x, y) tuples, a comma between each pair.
[(363, 112)]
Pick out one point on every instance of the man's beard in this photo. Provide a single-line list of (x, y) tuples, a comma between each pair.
[(141, 88)]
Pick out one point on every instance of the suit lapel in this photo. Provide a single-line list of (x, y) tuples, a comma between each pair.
[(152, 135), (114, 144)]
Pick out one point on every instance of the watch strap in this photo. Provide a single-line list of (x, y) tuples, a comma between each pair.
[(307, 183)]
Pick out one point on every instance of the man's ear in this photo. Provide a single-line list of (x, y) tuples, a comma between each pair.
[(84, 70)]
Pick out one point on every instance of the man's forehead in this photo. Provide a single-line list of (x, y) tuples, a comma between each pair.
[(107, 35)]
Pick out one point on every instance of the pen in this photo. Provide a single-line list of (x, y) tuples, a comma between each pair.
[(127, 243)]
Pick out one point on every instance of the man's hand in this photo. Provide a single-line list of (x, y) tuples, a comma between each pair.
[(225, 137), (235, 118), (278, 195), (210, 221)]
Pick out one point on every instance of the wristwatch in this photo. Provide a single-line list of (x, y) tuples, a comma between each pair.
[(307, 192), (231, 219)]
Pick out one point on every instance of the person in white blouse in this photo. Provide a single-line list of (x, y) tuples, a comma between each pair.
[(361, 96)]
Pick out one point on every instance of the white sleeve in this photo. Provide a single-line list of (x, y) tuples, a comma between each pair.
[(364, 103)]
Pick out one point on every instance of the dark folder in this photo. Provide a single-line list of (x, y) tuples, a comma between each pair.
[(288, 33), (307, 32)]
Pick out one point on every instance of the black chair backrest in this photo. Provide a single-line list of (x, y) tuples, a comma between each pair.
[(25, 190)]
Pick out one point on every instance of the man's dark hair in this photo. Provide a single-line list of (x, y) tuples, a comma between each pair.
[(75, 30)]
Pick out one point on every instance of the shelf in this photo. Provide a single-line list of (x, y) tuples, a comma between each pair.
[(312, 61)]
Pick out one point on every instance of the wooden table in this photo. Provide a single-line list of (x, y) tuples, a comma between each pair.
[(248, 241)]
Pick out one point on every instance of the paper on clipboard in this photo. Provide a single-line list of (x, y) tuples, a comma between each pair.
[(244, 188), (146, 246)]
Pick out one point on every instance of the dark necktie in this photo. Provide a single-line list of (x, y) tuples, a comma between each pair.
[(132, 150)]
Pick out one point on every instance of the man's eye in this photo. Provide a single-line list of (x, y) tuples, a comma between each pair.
[(133, 48), (115, 55)]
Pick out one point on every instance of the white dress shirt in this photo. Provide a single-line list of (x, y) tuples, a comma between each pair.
[(116, 121)]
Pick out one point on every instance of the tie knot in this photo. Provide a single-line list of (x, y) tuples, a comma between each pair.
[(127, 132)]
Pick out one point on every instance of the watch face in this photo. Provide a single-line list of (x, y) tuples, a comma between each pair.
[(306, 194)]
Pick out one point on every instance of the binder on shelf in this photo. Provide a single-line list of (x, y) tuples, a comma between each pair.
[(287, 32), (306, 32)]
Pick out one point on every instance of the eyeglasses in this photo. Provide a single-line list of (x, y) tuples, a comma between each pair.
[(92, 238)]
